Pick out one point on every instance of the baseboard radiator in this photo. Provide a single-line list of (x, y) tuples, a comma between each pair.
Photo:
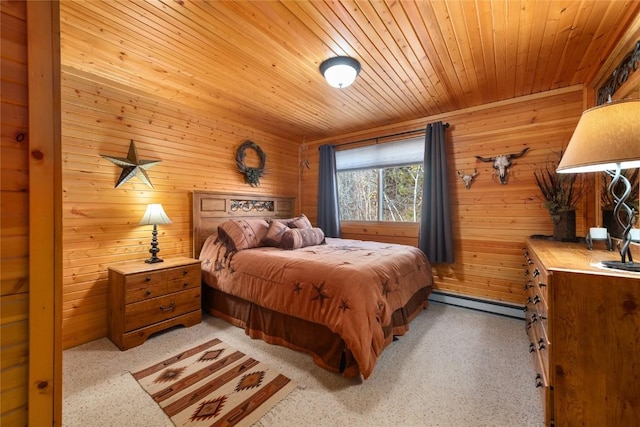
[(490, 306)]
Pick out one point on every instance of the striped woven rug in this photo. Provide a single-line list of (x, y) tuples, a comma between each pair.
[(213, 384)]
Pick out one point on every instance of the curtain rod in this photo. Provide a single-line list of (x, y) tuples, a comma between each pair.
[(409, 132)]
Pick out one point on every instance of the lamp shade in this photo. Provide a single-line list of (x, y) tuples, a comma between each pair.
[(607, 137), (154, 215), (340, 71)]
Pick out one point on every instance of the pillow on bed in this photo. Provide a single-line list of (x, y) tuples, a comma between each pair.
[(300, 222), (274, 233), (243, 233), (296, 238)]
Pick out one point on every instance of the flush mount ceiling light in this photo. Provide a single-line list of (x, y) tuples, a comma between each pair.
[(340, 71)]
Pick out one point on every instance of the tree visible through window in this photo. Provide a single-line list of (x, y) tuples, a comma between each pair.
[(381, 194)]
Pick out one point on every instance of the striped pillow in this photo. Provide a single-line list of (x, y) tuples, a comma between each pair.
[(296, 238)]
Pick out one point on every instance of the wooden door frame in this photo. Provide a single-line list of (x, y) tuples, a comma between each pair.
[(45, 214)]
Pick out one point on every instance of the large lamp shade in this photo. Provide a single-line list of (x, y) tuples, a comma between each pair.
[(607, 138)]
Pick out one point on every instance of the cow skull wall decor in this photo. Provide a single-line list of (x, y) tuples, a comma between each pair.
[(502, 163), (468, 179)]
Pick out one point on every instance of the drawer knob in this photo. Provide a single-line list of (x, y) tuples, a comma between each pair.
[(147, 293), (534, 318), (532, 348), (148, 278), (536, 299), (185, 272), (541, 344), (542, 285), (539, 381), (185, 284), (536, 272), (169, 308)]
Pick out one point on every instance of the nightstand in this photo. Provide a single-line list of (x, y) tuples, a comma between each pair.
[(148, 298)]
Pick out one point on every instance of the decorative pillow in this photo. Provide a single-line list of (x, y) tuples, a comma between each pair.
[(242, 234), (274, 233), (296, 238), (300, 222)]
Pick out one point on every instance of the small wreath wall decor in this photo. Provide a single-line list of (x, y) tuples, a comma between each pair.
[(251, 175)]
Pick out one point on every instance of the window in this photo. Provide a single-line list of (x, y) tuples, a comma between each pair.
[(382, 182)]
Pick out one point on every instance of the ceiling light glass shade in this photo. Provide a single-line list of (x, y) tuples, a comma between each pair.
[(154, 215), (607, 137), (340, 71)]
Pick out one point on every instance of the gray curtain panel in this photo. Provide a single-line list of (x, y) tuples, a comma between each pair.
[(328, 210), (436, 237)]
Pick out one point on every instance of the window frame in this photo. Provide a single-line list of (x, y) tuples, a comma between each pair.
[(413, 146)]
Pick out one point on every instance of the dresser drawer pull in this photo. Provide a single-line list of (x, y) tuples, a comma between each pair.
[(534, 318), (147, 279), (147, 293), (169, 308), (185, 272), (541, 345), (532, 348), (542, 285), (536, 299), (185, 284), (529, 300), (539, 382), (536, 272)]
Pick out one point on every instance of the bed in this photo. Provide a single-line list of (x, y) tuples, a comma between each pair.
[(342, 301)]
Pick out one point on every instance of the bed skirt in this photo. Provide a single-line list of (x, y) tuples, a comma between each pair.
[(326, 347)]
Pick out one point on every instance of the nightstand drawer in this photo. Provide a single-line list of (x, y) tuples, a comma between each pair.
[(144, 313), (183, 278), (138, 287)]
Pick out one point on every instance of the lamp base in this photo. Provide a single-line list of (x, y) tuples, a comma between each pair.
[(626, 266), (153, 260)]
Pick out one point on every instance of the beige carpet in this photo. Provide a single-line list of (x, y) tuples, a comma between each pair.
[(455, 367), (213, 384)]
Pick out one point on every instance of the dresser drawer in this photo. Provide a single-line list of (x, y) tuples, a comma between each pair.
[(540, 277), (144, 313), (536, 302)]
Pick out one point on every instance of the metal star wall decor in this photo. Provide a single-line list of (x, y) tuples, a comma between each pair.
[(132, 166)]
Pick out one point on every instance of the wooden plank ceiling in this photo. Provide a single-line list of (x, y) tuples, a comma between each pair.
[(257, 61)]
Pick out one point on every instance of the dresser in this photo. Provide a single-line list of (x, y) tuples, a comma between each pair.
[(583, 324), (148, 298)]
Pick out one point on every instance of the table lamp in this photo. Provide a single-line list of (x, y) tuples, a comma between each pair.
[(154, 215), (607, 139)]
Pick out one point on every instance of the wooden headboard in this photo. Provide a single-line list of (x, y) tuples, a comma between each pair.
[(210, 209)]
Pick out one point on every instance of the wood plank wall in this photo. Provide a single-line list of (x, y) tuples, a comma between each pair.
[(490, 221), (197, 152), (14, 222), (102, 111)]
